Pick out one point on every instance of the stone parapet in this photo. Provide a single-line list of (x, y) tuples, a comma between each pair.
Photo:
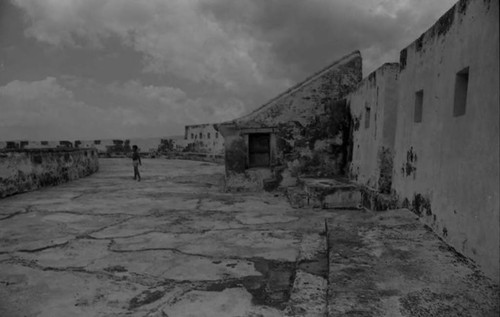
[(23, 170)]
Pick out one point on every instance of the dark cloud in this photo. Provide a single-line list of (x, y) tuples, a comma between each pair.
[(308, 35), (153, 66)]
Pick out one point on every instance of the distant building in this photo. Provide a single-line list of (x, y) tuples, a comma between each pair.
[(203, 138)]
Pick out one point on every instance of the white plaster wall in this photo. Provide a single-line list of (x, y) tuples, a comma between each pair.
[(457, 165), (214, 145), (379, 92)]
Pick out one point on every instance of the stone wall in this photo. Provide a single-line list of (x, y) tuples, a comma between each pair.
[(373, 110), (308, 127), (446, 167), (30, 169)]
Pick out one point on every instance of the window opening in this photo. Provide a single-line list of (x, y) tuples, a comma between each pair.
[(419, 102), (367, 117), (461, 87)]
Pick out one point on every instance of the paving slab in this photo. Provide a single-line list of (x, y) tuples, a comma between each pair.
[(390, 264), (27, 291), (173, 244)]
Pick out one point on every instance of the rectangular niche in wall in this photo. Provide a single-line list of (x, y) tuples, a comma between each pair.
[(367, 117), (259, 149), (461, 87), (419, 103)]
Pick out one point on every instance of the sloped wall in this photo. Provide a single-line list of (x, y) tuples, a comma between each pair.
[(309, 125), (27, 170)]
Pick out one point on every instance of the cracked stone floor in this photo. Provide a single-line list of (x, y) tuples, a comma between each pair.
[(175, 245), (170, 245)]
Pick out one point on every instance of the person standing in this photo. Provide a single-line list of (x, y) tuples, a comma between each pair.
[(136, 161)]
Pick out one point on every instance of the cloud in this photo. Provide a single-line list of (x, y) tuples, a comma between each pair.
[(237, 43), (49, 110), (168, 105), (174, 36), (202, 61), (46, 109), (307, 35)]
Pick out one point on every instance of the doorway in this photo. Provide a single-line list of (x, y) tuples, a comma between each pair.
[(259, 150)]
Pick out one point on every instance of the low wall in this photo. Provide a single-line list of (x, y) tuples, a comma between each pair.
[(30, 169)]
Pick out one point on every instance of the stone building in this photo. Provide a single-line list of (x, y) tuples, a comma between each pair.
[(203, 138), (422, 133), (302, 131)]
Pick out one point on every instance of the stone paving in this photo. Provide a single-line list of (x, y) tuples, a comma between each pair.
[(175, 245), (170, 245)]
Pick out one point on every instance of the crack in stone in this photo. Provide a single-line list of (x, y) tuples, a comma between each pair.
[(175, 250), (119, 222), (133, 278), (120, 237), (79, 213), (26, 210), (52, 246)]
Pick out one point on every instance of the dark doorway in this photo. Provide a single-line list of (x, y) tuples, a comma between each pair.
[(259, 150)]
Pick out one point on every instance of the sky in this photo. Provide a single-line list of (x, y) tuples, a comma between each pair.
[(98, 69)]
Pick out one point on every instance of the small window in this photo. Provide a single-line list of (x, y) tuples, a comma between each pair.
[(201, 135), (208, 135), (419, 102), (216, 135), (461, 87), (192, 135), (367, 117), (12, 145), (45, 142), (97, 142)]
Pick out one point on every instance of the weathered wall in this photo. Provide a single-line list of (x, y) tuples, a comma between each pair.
[(373, 110), (27, 170), (309, 124), (446, 167), (204, 138)]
